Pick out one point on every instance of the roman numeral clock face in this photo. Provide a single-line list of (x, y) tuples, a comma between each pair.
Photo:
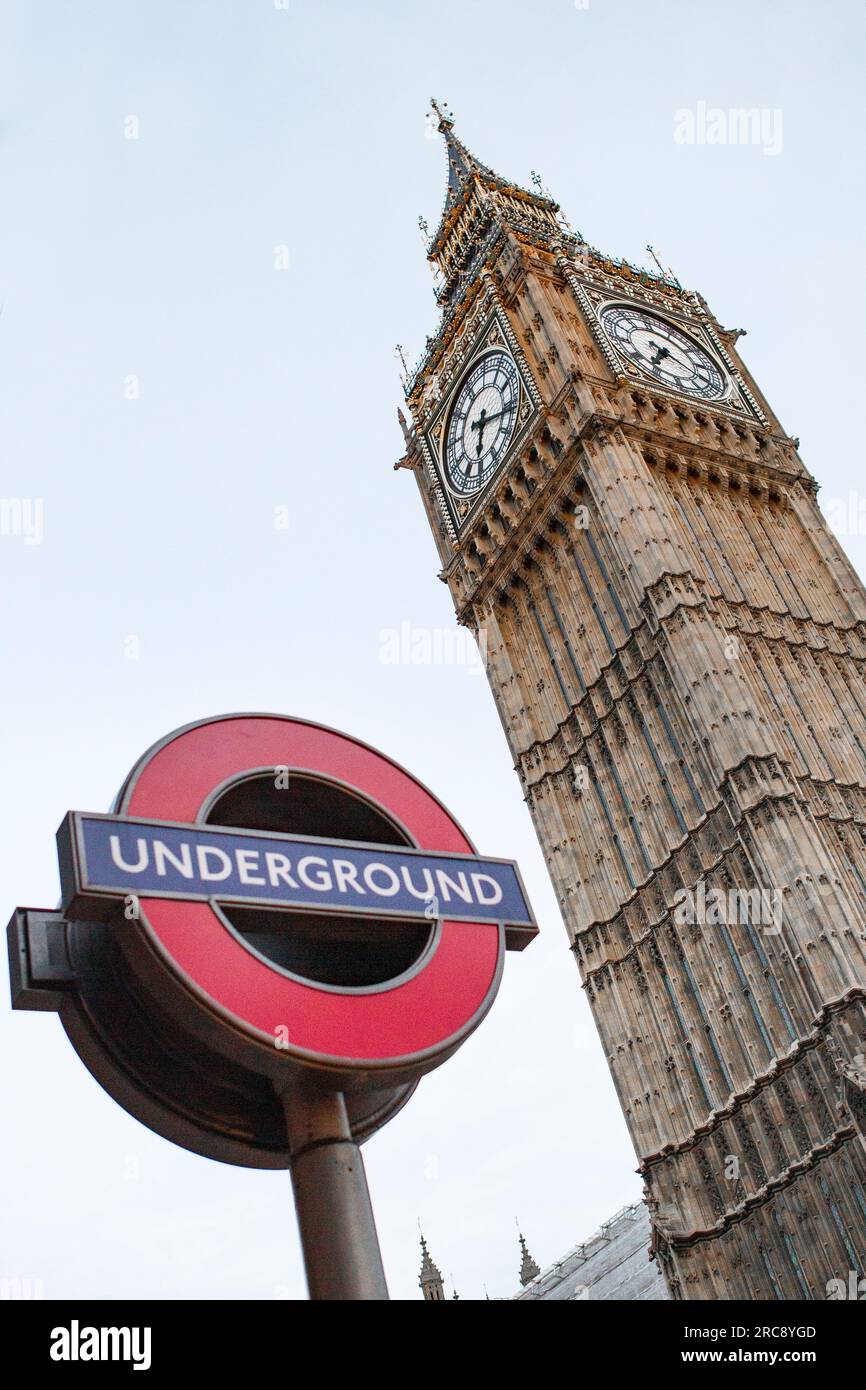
[(481, 423), (663, 352)]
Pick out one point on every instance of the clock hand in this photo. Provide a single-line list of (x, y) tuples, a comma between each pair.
[(660, 353), (479, 426), (481, 421), (484, 418), (498, 413)]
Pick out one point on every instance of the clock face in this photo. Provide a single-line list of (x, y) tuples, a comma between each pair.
[(663, 352), (481, 422)]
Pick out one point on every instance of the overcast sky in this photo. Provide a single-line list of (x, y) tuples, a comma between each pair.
[(162, 591)]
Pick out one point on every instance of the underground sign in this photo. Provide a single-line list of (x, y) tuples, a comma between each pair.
[(269, 897)]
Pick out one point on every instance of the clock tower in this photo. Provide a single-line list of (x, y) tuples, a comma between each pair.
[(676, 645)]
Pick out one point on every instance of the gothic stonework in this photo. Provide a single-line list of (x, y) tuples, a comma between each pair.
[(430, 1279), (676, 644)]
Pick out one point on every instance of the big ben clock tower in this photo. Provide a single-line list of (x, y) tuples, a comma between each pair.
[(676, 644)]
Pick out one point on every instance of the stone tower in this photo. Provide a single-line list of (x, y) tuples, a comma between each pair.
[(676, 644)]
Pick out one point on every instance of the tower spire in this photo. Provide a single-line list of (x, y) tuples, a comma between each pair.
[(462, 164), (529, 1270), (478, 203), (430, 1278)]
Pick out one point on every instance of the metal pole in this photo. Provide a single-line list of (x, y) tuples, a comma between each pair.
[(332, 1200)]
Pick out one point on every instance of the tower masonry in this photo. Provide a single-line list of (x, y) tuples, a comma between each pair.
[(676, 643)]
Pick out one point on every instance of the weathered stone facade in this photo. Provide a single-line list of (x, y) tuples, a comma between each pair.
[(676, 643)]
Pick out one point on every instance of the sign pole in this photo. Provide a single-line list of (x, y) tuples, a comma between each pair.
[(332, 1200)]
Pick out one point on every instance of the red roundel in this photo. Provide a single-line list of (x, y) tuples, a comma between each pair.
[(415, 1020)]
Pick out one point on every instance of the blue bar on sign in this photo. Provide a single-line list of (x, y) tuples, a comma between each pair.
[(114, 856)]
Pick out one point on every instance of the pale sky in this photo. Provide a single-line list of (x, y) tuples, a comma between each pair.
[(262, 126)]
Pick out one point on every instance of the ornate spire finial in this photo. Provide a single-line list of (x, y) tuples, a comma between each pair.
[(404, 370), (446, 120), (529, 1270), (408, 436), (666, 274), (430, 1278), (655, 257)]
